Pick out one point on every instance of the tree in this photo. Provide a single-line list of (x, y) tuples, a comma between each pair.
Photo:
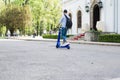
[(46, 13), (14, 17)]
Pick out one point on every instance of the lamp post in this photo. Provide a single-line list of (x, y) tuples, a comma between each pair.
[(87, 8), (100, 4)]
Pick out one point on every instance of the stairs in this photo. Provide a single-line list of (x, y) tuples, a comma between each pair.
[(77, 37)]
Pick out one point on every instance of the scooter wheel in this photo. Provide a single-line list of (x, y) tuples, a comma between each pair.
[(57, 46), (68, 47)]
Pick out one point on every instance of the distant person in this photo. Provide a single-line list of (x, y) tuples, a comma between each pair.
[(34, 33), (63, 26), (8, 33), (50, 32), (14, 33)]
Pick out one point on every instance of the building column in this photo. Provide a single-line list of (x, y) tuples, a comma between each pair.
[(119, 17), (116, 16)]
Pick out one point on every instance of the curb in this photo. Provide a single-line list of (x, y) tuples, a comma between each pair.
[(97, 43), (75, 42)]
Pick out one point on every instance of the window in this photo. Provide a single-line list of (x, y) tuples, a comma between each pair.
[(79, 21)]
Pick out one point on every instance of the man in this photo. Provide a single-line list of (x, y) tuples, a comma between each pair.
[(63, 26)]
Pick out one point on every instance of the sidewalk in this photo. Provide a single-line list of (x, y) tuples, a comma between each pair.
[(71, 41)]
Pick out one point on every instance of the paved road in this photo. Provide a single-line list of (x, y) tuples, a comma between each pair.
[(37, 60)]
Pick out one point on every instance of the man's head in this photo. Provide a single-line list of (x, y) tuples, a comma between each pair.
[(65, 11)]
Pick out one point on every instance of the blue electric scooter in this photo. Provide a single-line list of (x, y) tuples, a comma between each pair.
[(58, 45)]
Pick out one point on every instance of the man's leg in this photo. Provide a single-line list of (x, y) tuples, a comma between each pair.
[(64, 32)]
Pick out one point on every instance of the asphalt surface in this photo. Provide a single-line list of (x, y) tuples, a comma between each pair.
[(39, 60)]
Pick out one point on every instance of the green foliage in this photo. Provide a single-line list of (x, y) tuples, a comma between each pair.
[(42, 14), (46, 11), (2, 30), (15, 17), (48, 36), (27, 31), (1, 4), (110, 38)]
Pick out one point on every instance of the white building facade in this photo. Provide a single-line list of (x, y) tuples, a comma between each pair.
[(93, 14)]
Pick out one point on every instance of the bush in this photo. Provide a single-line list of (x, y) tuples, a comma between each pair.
[(48, 36), (110, 38)]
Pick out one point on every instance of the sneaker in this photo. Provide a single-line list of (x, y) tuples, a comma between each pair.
[(66, 43)]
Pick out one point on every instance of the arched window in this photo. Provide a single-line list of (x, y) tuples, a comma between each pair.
[(79, 19)]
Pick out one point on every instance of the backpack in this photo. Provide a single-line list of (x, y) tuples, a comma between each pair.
[(68, 22)]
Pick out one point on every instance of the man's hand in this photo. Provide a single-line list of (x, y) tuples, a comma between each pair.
[(58, 25)]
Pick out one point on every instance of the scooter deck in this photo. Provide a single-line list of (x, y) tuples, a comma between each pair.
[(66, 46)]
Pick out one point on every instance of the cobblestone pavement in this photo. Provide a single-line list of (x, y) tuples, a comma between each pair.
[(38, 60)]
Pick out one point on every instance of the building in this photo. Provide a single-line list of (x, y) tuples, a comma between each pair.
[(93, 14)]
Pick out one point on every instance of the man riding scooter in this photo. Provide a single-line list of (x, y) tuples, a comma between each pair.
[(64, 29)]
